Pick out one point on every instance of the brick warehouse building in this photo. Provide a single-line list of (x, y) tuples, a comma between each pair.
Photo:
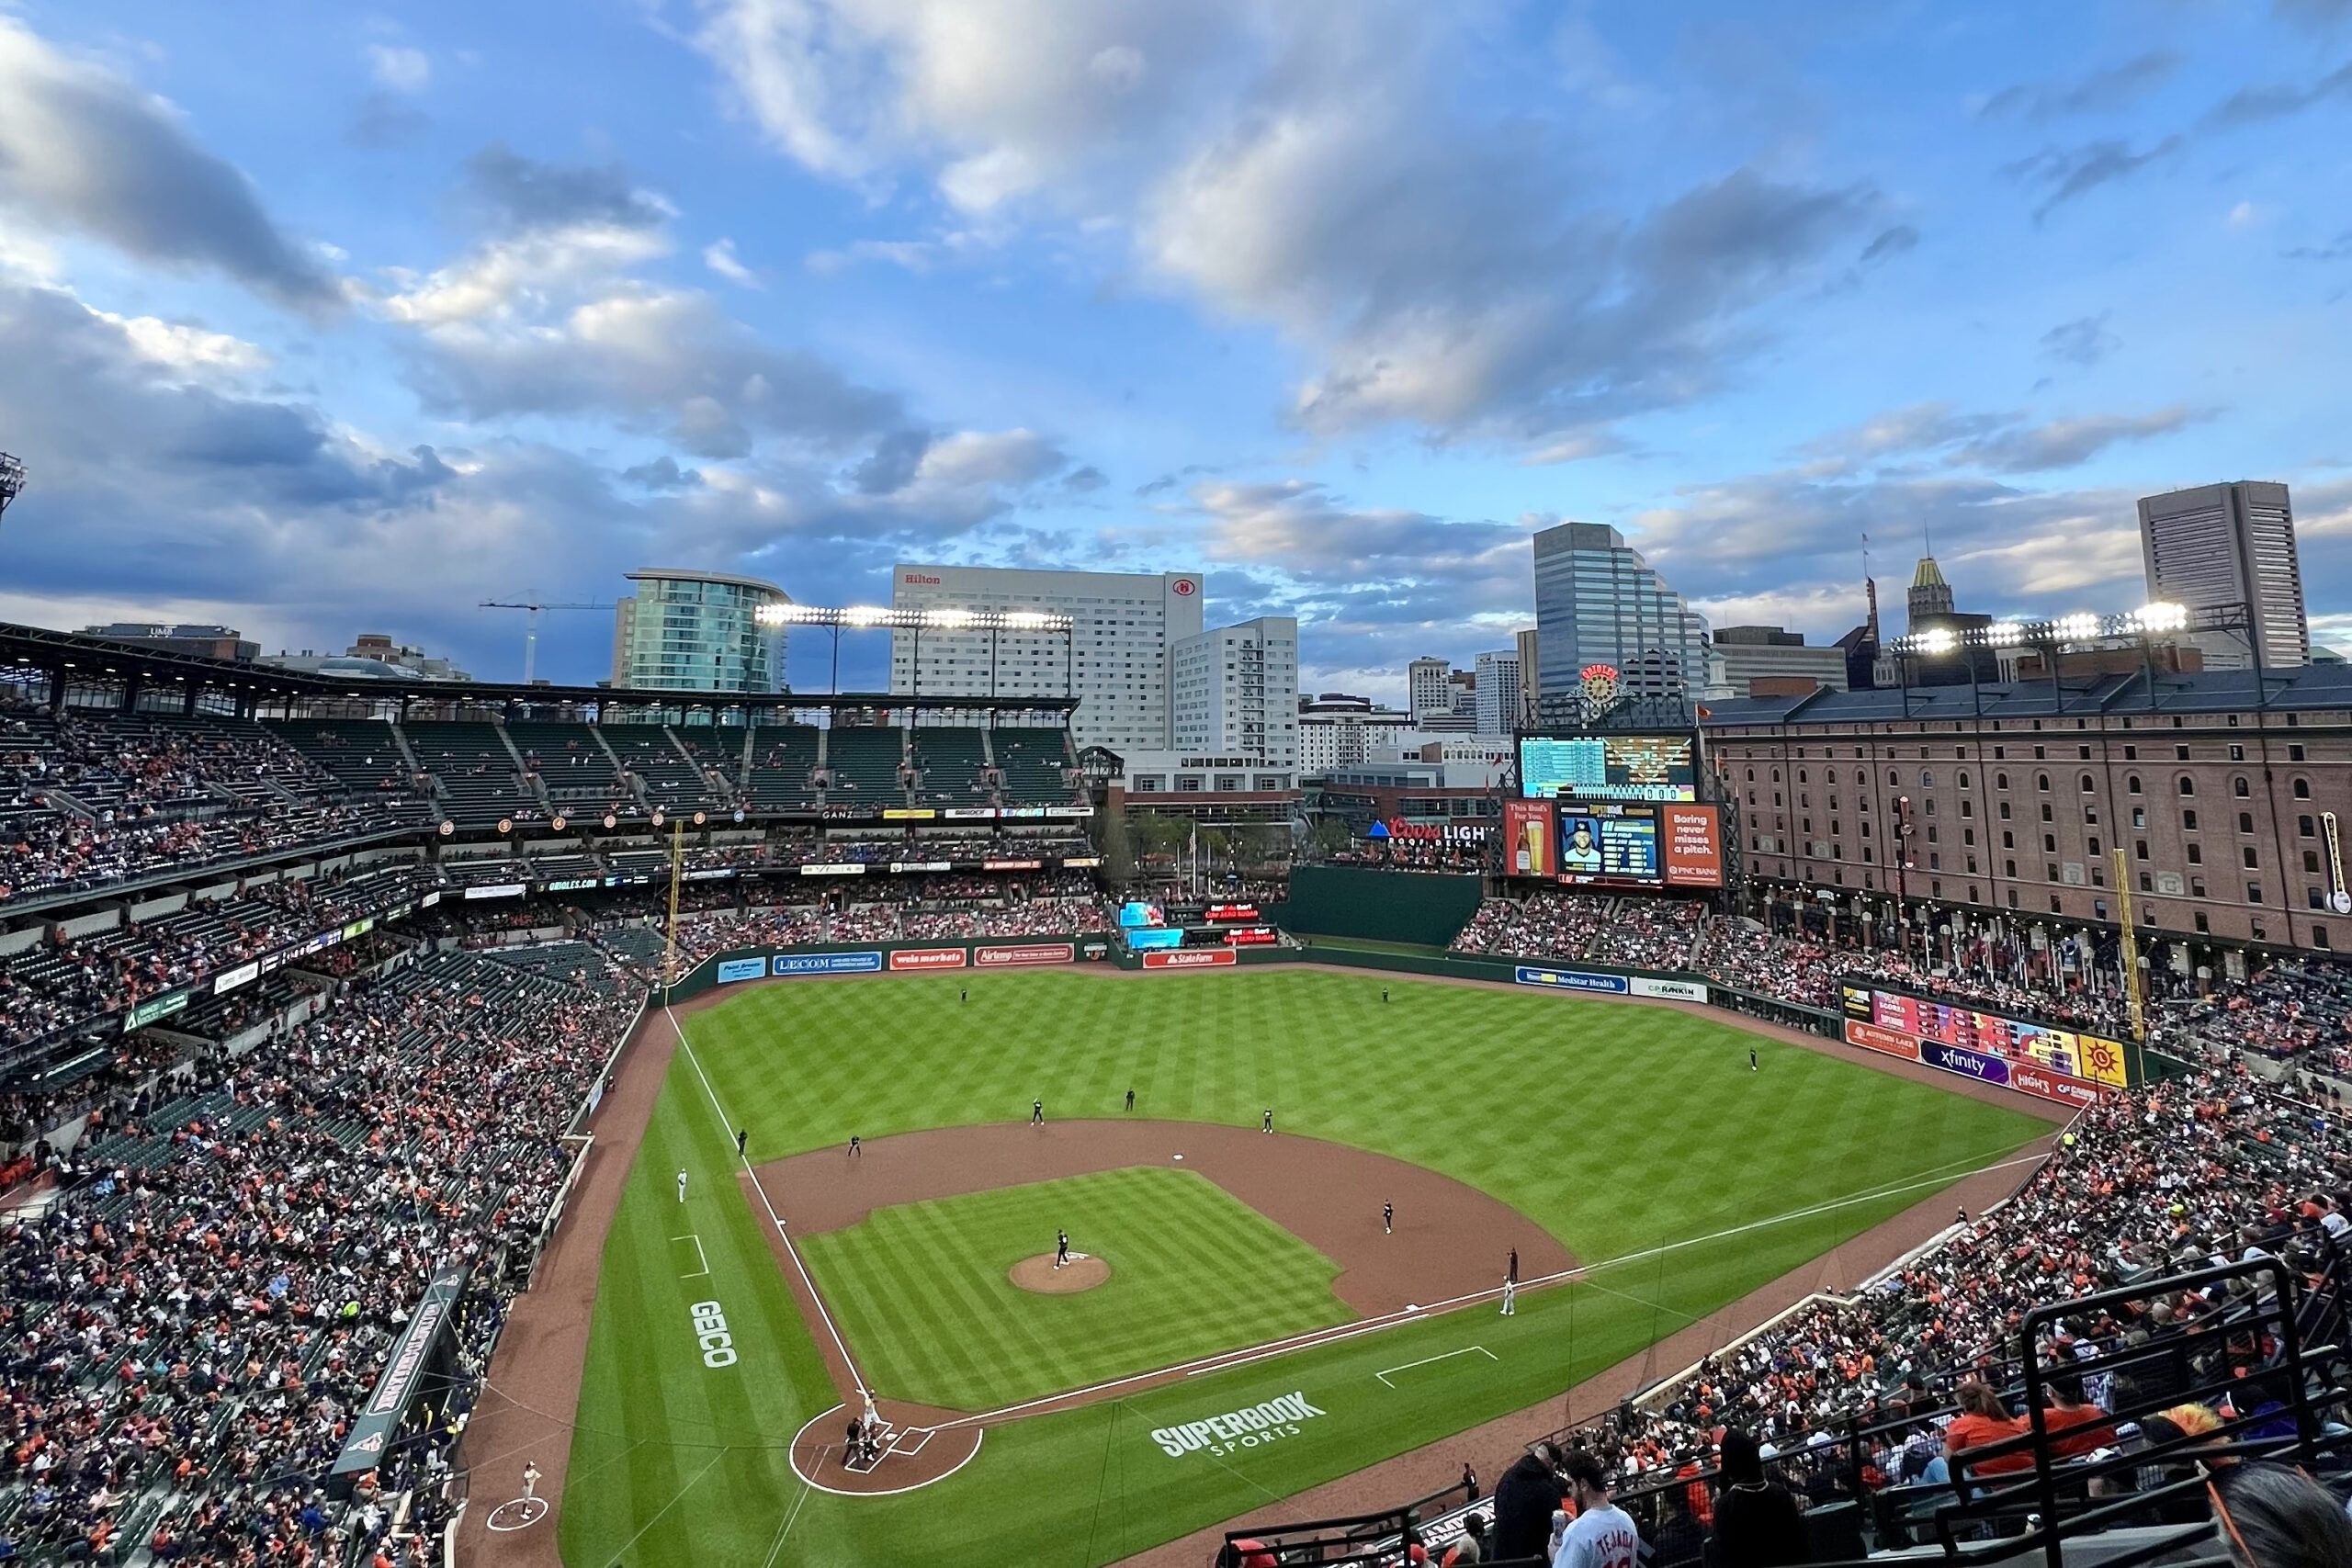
[(2218, 786)]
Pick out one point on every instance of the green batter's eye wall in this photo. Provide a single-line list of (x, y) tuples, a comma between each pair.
[(1379, 906)]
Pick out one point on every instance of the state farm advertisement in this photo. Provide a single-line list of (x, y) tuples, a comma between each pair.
[(1010, 957), (928, 958), (1189, 958), (1692, 845)]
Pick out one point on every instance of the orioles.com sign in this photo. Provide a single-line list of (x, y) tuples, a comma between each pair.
[(1236, 1429)]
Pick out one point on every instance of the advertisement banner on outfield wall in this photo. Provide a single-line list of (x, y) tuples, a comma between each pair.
[(734, 969), (1691, 845), (1190, 958), (826, 964), (2026, 1077), (1870, 1037), (1570, 979), (928, 958), (1011, 957), (1672, 990), (1527, 838)]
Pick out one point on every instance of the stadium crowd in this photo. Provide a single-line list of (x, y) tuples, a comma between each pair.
[(193, 1322)]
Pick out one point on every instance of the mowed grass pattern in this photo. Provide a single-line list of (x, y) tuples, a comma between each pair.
[(1630, 1132), (920, 1291)]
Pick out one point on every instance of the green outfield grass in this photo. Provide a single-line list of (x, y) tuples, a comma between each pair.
[(1628, 1133), (920, 1289)]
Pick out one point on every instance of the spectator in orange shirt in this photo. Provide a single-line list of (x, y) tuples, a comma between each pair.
[(2084, 1426), (1982, 1419)]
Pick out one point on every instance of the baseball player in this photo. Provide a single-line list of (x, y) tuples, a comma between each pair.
[(856, 1149), (1387, 1216), (1511, 1271), (742, 1136), (1751, 1058), (1269, 1119), (682, 1186), (1510, 1297), (1037, 1113), (1062, 1247), (1131, 1099)]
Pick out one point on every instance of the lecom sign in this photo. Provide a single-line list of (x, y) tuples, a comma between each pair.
[(1007, 957), (928, 958)]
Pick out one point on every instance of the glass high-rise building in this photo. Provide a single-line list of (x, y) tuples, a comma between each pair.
[(1597, 602), (697, 631)]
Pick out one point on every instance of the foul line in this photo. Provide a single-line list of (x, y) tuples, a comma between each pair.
[(1429, 1360), (1316, 1339), (774, 1218), (623, 1553)]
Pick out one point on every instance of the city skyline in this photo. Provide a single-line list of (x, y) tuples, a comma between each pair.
[(1341, 305)]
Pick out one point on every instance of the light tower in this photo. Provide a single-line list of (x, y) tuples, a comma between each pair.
[(12, 481)]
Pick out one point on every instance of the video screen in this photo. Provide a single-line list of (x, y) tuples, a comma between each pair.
[(1606, 767), (1631, 844)]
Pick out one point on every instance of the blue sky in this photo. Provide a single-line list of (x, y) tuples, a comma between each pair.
[(319, 322)]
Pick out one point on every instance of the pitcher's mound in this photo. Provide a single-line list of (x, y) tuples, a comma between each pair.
[(1038, 1274)]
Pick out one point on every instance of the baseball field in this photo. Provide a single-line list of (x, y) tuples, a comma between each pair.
[(1249, 1326)]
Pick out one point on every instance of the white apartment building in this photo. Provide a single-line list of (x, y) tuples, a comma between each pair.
[(1115, 661), (1336, 730), (1497, 691), (1234, 691)]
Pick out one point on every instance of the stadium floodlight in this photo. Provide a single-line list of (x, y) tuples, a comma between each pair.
[(12, 479), (2076, 627), (2161, 617), (861, 618), (2003, 634), (1936, 640)]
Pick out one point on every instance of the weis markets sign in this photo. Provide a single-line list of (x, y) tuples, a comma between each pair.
[(1238, 1429)]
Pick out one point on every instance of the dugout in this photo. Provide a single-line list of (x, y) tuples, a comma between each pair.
[(1423, 907)]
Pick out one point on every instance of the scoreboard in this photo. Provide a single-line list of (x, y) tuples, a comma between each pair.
[(2093, 1058)]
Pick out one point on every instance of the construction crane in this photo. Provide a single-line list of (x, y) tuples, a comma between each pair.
[(531, 636)]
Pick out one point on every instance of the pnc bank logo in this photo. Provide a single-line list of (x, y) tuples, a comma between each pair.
[(920, 578), (1185, 587)]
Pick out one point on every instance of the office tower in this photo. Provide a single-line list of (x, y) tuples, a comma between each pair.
[(1497, 692), (1597, 602), (2225, 544)]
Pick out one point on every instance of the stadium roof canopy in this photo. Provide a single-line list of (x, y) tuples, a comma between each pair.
[(2302, 689), (101, 661)]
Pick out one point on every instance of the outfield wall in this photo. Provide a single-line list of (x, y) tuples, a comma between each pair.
[(1567, 976), (1419, 906)]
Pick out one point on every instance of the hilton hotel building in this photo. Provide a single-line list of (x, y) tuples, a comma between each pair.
[(1125, 627)]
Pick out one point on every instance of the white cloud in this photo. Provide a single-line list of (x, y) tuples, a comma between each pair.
[(85, 151), (1313, 166), (399, 68), (719, 256), (176, 346)]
